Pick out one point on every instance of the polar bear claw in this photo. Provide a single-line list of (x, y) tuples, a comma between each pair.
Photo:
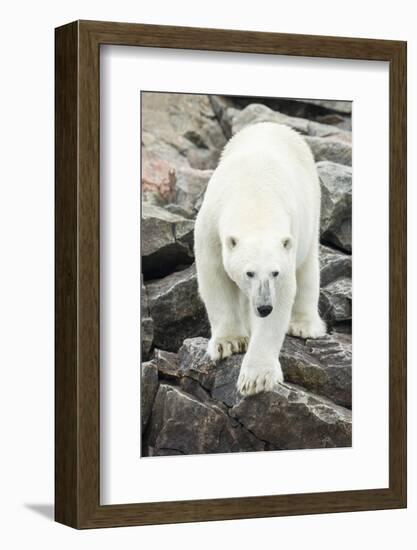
[(221, 348)]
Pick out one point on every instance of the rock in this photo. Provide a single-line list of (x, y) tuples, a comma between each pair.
[(323, 366), (344, 107), (333, 265), (220, 379), (304, 108), (195, 363), (334, 119), (146, 324), (291, 418), (200, 410), (224, 109), (181, 424), (336, 204), (181, 129), (255, 113), (179, 211), (158, 179), (146, 337), (335, 302), (167, 241), (176, 309), (149, 386), (190, 188), (331, 149), (167, 364)]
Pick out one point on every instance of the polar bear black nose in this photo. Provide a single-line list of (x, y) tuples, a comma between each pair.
[(264, 310)]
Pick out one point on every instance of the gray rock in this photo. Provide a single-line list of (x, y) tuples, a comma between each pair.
[(146, 337), (344, 107), (190, 188), (200, 410), (335, 119), (149, 386), (332, 149), (176, 309), (333, 265), (219, 379), (291, 418), (181, 129), (146, 324), (225, 110), (178, 210), (167, 363), (323, 366), (335, 302), (336, 204), (336, 286), (336, 113), (255, 113), (182, 424), (167, 241)]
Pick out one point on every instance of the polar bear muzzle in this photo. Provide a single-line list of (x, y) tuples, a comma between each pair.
[(263, 298)]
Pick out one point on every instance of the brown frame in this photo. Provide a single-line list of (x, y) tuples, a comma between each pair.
[(77, 274)]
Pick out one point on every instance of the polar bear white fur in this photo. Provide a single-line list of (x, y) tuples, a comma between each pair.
[(256, 250)]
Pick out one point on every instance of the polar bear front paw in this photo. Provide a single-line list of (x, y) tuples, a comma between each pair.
[(256, 378), (220, 348), (307, 328)]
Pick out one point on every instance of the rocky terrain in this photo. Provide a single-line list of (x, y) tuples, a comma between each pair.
[(188, 404)]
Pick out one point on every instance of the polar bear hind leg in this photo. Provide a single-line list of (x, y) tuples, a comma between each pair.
[(305, 319)]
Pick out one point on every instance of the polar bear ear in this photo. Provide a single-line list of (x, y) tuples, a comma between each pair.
[(287, 242), (231, 242)]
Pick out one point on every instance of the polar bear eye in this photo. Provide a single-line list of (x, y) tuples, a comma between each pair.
[(250, 274), (275, 273)]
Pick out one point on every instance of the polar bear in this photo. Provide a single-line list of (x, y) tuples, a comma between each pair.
[(256, 251)]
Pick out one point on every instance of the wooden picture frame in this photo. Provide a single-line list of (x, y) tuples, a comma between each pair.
[(77, 374)]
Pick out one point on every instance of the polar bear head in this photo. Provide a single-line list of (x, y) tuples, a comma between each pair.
[(258, 266)]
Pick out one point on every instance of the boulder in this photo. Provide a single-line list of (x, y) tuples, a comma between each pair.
[(291, 418), (255, 113), (323, 365), (332, 378), (176, 309), (335, 303), (149, 386), (334, 119), (333, 265), (146, 323), (167, 241), (225, 110), (219, 379), (158, 179), (197, 408), (190, 188), (168, 364), (178, 210), (182, 424), (181, 129), (343, 107), (336, 204), (332, 149)]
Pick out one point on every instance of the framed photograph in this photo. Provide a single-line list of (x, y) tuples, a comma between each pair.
[(230, 274)]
